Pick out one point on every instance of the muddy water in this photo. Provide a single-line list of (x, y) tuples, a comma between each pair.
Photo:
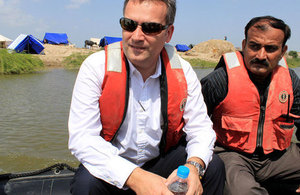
[(34, 111)]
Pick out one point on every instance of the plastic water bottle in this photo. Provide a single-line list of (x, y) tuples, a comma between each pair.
[(180, 186)]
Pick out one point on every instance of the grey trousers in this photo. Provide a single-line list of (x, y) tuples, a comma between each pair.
[(247, 174)]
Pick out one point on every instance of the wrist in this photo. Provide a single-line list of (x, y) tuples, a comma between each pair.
[(200, 169), (133, 178)]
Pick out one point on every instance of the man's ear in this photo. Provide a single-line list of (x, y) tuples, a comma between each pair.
[(284, 49), (170, 33), (243, 44)]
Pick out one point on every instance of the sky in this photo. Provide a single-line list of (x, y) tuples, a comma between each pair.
[(196, 20)]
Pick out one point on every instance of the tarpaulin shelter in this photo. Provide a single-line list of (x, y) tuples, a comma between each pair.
[(4, 41), (181, 47), (56, 38), (108, 40), (26, 43)]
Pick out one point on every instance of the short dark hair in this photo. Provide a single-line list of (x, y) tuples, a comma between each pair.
[(171, 9), (273, 22)]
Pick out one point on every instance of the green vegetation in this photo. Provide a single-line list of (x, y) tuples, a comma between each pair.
[(293, 62), (75, 60), (294, 54), (198, 63), (17, 63)]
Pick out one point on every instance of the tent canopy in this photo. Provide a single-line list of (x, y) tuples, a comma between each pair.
[(27, 43), (3, 38), (56, 38), (4, 41), (108, 40), (181, 47)]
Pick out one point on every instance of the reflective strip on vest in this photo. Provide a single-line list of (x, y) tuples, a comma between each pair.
[(283, 62), (174, 59), (114, 62), (232, 60)]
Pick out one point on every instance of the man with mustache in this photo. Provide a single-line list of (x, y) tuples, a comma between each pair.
[(253, 99)]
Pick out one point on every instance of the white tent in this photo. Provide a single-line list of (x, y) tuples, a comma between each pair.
[(96, 40), (4, 41)]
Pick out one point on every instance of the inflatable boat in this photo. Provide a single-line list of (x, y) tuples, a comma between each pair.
[(56, 180), (51, 180)]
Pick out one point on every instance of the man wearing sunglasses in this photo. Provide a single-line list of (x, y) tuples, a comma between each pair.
[(137, 113)]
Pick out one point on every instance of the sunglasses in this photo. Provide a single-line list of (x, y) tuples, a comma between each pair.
[(149, 28)]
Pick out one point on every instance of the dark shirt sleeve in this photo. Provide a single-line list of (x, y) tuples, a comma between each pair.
[(296, 104), (214, 86)]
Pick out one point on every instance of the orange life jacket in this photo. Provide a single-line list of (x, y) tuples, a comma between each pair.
[(237, 118), (115, 93)]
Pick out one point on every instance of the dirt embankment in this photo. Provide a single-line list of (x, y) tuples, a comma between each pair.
[(210, 50), (54, 54)]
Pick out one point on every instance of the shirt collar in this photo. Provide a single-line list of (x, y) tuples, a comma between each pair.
[(155, 75)]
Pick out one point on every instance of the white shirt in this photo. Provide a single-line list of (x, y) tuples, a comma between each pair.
[(138, 138)]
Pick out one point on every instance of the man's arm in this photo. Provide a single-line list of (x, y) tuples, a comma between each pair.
[(296, 104), (200, 136), (97, 155), (215, 87)]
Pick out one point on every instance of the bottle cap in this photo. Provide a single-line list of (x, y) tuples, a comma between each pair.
[(183, 172)]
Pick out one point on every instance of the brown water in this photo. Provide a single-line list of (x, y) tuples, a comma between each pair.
[(33, 120), (34, 111)]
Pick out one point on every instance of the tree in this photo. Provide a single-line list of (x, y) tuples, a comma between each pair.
[(294, 54)]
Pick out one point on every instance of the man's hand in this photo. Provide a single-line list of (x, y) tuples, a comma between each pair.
[(194, 183), (195, 186), (193, 180), (144, 182), (298, 190)]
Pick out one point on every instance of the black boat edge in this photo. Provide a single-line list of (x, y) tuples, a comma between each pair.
[(54, 179)]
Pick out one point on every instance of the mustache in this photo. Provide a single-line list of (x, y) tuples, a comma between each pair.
[(258, 61)]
